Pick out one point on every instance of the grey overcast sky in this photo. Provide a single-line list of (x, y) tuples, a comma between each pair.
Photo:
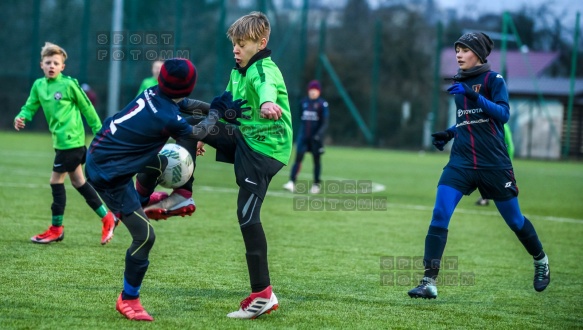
[(567, 8)]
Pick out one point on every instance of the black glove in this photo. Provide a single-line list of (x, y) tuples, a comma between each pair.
[(236, 111), (440, 139), (461, 88), (228, 109)]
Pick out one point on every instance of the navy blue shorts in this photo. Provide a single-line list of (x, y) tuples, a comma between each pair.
[(499, 185), (68, 160), (316, 147), (120, 197)]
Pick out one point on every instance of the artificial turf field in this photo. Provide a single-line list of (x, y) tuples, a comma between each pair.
[(330, 268)]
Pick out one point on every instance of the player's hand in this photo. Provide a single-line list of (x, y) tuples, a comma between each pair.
[(200, 150), (270, 110), (462, 88), (228, 109), (222, 103), (19, 124), (440, 139), (236, 111)]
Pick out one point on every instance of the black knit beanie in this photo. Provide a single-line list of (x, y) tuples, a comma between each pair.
[(478, 42)]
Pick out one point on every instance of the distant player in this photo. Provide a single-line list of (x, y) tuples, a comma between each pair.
[(63, 102), (314, 121), (479, 159), (152, 80), (128, 144)]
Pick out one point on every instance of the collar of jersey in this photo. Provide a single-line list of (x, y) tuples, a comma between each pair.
[(259, 56), (58, 77)]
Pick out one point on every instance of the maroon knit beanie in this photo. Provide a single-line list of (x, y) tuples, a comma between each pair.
[(177, 78), (314, 84)]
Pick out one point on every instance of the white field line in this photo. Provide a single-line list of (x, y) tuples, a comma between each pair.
[(285, 194)]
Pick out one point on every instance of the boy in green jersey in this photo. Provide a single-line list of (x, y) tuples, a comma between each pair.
[(258, 147), (63, 101), (263, 147), (153, 80)]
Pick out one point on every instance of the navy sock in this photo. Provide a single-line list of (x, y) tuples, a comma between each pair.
[(434, 246), (529, 238)]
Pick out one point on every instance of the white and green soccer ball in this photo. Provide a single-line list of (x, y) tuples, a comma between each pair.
[(180, 166)]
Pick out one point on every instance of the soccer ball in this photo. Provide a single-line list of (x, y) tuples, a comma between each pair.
[(180, 166)]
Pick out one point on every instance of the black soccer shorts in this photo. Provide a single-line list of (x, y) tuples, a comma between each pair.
[(68, 160)]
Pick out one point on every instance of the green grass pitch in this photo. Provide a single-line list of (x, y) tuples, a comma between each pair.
[(330, 269)]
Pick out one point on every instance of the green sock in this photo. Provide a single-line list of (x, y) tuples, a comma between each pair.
[(101, 211), (57, 220)]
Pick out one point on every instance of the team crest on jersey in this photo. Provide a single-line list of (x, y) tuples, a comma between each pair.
[(476, 88), (58, 96)]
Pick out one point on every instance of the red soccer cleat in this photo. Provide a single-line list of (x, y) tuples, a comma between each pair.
[(109, 223), (132, 309), (53, 234)]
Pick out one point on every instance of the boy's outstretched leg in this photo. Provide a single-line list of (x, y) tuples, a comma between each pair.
[(178, 203), (160, 205), (262, 300)]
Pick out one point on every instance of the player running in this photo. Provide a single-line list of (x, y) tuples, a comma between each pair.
[(479, 159)]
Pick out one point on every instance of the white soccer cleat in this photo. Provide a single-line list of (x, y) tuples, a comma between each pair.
[(174, 205), (256, 304), (315, 189), (289, 186)]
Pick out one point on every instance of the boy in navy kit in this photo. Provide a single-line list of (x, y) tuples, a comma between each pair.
[(479, 159), (314, 116), (128, 144)]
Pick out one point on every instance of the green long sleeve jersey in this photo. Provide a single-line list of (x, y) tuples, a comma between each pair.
[(147, 83), (63, 101), (260, 82)]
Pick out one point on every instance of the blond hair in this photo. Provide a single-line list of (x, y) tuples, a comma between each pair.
[(50, 49), (252, 26)]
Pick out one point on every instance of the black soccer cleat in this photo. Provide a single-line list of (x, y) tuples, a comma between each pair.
[(426, 289), (542, 274)]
